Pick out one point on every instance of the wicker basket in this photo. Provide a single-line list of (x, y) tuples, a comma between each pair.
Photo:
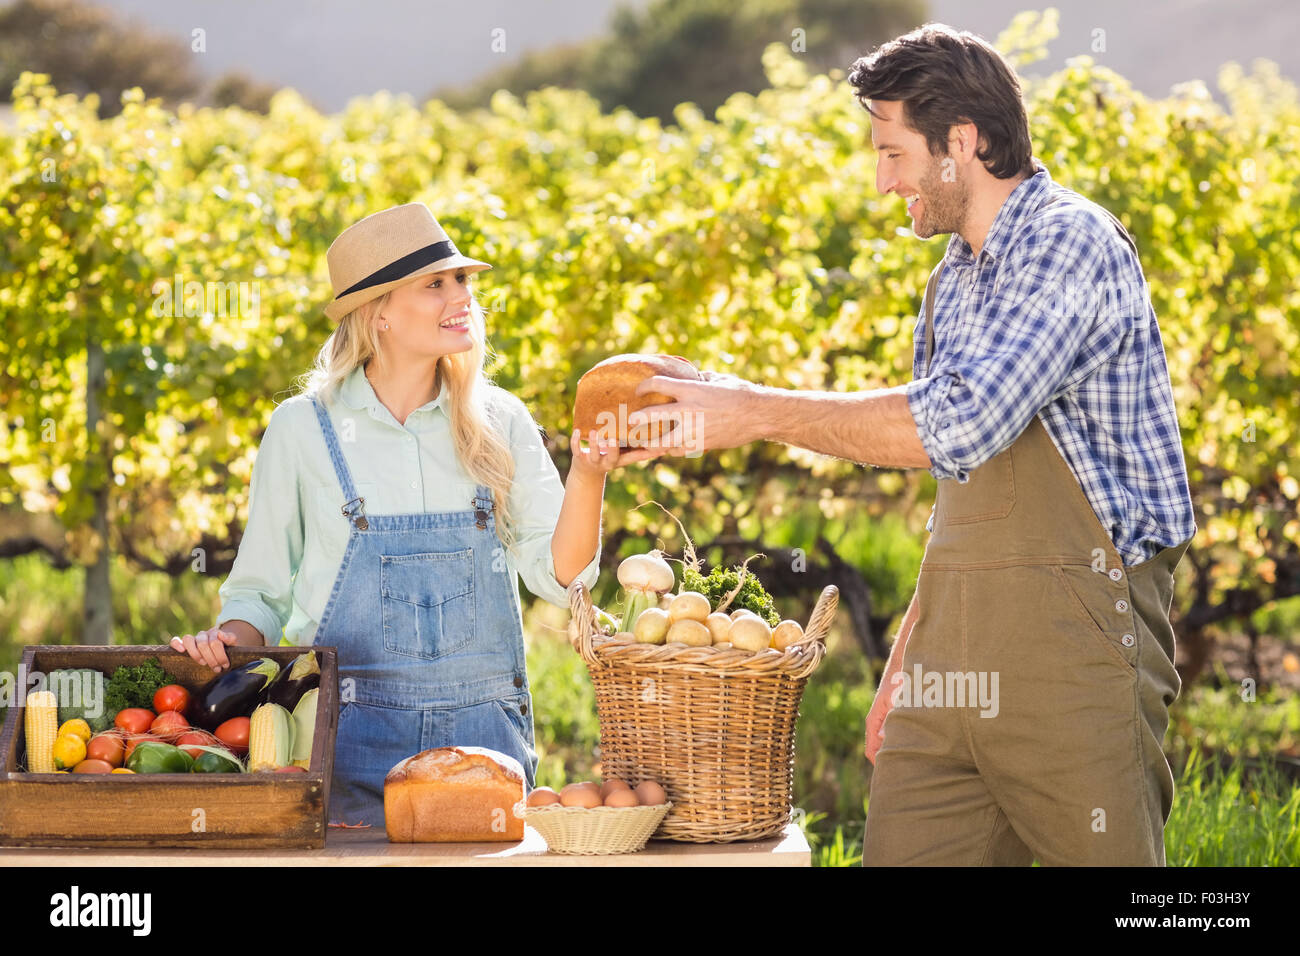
[(713, 725), (595, 831)]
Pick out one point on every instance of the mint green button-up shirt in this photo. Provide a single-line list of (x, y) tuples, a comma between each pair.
[(294, 542)]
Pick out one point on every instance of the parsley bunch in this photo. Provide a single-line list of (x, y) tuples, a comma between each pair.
[(134, 686), (720, 582)]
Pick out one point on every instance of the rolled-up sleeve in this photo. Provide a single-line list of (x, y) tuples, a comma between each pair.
[(1044, 329), (259, 589), (536, 495)]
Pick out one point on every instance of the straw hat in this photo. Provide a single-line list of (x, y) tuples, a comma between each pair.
[(385, 250)]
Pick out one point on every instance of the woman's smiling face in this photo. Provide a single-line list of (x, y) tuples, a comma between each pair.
[(430, 314)]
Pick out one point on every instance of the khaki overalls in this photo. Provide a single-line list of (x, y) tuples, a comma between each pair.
[(1022, 588)]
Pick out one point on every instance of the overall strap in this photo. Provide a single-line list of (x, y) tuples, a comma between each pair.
[(353, 506), (930, 287)]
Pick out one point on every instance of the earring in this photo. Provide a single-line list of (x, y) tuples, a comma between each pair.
[(385, 326)]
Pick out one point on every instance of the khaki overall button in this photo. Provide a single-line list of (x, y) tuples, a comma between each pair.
[(1127, 640), (1116, 574), (1121, 605)]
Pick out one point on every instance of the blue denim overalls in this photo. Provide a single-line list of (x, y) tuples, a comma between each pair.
[(425, 615)]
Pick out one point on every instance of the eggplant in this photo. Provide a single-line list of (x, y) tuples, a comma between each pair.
[(234, 694), (293, 682)]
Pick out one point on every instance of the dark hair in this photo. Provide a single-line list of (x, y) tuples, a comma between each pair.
[(943, 78)]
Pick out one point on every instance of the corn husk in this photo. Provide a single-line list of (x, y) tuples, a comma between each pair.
[(304, 721)]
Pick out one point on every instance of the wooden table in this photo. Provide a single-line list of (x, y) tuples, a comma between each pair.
[(371, 848)]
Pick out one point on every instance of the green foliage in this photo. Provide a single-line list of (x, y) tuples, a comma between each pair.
[(1219, 720), (565, 726), (134, 686), (720, 582), (754, 243)]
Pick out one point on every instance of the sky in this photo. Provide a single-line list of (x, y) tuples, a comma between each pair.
[(331, 50)]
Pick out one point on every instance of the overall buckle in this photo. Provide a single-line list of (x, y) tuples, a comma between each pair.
[(357, 516), (482, 508)]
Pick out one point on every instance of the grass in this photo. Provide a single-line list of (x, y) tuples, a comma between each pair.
[(1234, 816)]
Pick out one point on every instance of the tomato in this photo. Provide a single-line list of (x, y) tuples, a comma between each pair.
[(134, 720), (171, 697), (169, 725), (234, 734), (201, 737), (106, 747), (93, 766)]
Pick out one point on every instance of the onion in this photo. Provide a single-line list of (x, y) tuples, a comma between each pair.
[(646, 572), (644, 578)]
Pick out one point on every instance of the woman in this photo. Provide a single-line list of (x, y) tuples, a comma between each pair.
[(394, 502)]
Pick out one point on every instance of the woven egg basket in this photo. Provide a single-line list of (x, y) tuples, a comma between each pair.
[(713, 725)]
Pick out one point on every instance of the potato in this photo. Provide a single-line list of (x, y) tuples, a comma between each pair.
[(786, 633), (689, 606), (689, 632), (651, 626), (719, 626), (750, 634)]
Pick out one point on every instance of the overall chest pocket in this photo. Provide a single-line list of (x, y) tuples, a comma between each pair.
[(989, 493), (428, 602)]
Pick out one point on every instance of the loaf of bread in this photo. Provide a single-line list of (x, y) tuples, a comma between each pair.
[(454, 795), (607, 395)]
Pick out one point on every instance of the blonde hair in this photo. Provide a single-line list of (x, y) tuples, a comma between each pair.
[(479, 446)]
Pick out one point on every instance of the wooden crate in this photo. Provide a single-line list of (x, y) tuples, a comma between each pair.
[(220, 810)]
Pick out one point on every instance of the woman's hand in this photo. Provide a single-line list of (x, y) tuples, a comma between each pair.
[(207, 647), (601, 456)]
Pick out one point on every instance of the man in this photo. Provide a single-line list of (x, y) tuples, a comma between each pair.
[(1041, 402)]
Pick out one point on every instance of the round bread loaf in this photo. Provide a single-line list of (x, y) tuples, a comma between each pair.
[(607, 395), (454, 795)]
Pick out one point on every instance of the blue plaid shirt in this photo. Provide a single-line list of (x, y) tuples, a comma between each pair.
[(1054, 318)]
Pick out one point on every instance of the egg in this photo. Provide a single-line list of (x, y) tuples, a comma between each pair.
[(610, 785), (543, 797), (580, 795), (622, 798), (650, 793)]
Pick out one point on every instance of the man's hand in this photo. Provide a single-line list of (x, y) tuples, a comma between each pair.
[(719, 412), (880, 708), (884, 700)]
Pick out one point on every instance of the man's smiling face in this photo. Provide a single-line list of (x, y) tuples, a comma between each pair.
[(936, 199)]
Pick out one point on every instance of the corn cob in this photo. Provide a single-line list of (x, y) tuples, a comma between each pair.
[(270, 738), (42, 724)]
